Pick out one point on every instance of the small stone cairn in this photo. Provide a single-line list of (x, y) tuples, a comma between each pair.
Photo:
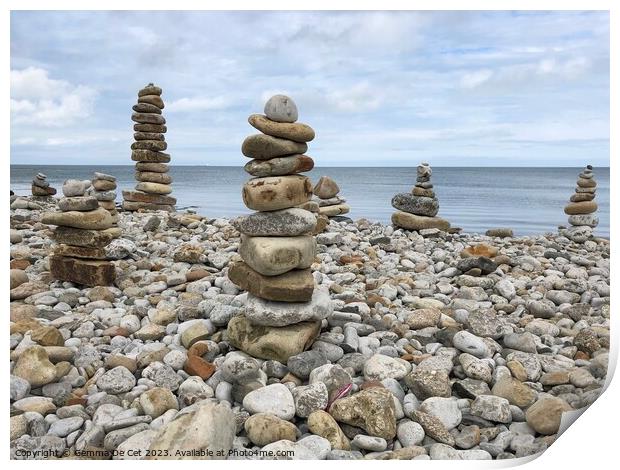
[(283, 309), (154, 183), (581, 208), (104, 190), (41, 187), (418, 210), (326, 195), (83, 230)]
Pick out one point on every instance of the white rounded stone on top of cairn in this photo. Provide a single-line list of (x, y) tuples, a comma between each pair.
[(281, 108)]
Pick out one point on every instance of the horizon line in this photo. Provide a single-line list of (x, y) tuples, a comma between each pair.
[(321, 166)]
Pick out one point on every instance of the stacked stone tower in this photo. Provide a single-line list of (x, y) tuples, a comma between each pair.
[(83, 230), (418, 210), (283, 309), (153, 186), (41, 187), (104, 190), (582, 208), (330, 204)]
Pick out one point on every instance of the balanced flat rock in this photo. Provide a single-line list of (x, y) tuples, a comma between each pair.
[(147, 206), (104, 185), (148, 136), (155, 100), (276, 192), (152, 177), (264, 147), (98, 219), (148, 118), (266, 342), (77, 251), (80, 271), (79, 203), (149, 156), (146, 108), (580, 197), (417, 222), (139, 196), (283, 223), (154, 145), (279, 166), (583, 207), (272, 256), (152, 167), (154, 188), (272, 313), (292, 131), (334, 210), (150, 89), (88, 238), (158, 128), (293, 286), (418, 205)]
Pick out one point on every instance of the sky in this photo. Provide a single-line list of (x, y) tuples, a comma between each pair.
[(379, 88)]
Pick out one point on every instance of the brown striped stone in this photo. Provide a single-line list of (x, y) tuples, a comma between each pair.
[(80, 271)]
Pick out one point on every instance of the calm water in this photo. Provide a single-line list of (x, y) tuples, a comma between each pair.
[(530, 200)]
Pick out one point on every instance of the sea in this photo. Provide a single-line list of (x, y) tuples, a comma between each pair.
[(528, 200)]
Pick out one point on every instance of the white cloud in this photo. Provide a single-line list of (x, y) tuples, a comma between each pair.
[(561, 131), (576, 67), (23, 141), (196, 104), (509, 76), (546, 66), (265, 95), (38, 99), (145, 36), (81, 140), (357, 98), (369, 83), (477, 78), (72, 139)]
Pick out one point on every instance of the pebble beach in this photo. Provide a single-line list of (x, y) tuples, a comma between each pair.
[(430, 352), (310, 235)]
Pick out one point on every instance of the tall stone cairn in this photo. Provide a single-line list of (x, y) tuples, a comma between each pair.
[(154, 183), (41, 187), (581, 208), (104, 190), (283, 307), (83, 230), (418, 210)]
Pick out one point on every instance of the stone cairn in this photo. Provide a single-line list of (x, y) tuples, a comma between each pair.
[(581, 208), (283, 309), (41, 187), (418, 210), (153, 188), (326, 195), (104, 190), (328, 202), (83, 230)]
